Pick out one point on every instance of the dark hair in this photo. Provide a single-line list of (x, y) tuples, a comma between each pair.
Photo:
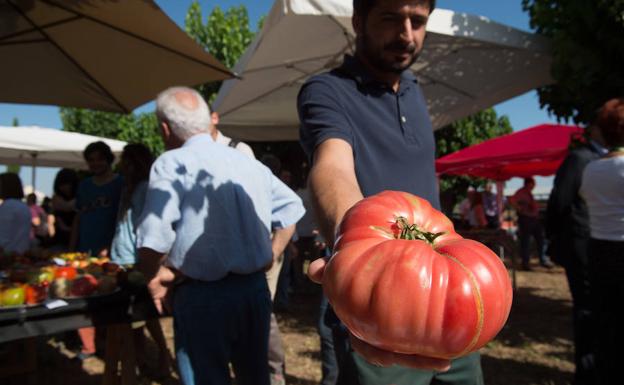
[(31, 198), (528, 180), (69, 177), (141, 159), (100, 147), (363, 7), (610, 120), (11, 186), (46, 205)]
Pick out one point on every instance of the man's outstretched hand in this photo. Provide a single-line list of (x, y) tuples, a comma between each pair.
[(373, 354)]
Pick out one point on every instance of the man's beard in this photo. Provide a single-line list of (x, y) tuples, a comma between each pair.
[(376, 59)]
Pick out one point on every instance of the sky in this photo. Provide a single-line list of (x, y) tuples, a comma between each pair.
[(523, 111)]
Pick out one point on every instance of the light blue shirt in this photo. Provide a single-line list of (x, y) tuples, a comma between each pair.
[(212, 208), (123, 249)]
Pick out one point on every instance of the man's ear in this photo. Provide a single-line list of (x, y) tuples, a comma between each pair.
[(356, 23), (165, 131), (214, 118)]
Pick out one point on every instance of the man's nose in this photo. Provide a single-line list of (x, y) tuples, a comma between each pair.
[(406, 30)]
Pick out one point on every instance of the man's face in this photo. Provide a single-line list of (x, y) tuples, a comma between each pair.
[(97, 163), (391, 37)]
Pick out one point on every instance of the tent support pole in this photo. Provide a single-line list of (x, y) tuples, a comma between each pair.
[(33, 174)]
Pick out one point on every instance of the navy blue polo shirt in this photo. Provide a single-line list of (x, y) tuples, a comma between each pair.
[(390, 132)]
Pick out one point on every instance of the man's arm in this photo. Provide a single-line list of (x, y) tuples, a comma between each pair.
[(158, 277), (333, 185), (280, 240), (334, 189)]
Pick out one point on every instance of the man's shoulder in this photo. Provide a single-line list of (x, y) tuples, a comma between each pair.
[(329, 79)]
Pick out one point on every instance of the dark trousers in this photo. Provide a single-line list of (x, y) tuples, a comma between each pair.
[(572, 254), (222, 322), (530, 227), (329, 366), (354, 370), (606, 269), (307, 251)]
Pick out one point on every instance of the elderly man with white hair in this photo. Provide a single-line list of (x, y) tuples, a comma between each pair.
[(205, 238)]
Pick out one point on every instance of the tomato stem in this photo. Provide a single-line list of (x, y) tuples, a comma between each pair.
[(411, 232)]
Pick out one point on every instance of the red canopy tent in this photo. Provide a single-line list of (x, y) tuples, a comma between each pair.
[(533, 151)]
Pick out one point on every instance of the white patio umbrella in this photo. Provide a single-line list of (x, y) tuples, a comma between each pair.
[(47, 147), (469, 63), (99, 54)]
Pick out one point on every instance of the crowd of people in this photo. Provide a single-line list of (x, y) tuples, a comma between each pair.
[(214, 230)]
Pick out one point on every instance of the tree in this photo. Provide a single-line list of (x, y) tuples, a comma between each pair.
[(464, 133), (588, 54), (132, 128), (14, 168), (225, 35)]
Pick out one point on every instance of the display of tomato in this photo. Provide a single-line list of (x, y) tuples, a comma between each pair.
[(41, 275), (12, 296), (403, 280), (67, 272), (84, 286), (36, 293)]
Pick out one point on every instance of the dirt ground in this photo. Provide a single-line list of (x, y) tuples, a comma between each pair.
[(535, 347)]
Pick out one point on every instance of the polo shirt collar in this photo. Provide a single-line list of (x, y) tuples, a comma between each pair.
[(354, 67)]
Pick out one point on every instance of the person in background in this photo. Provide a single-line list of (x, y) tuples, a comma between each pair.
[(97, 203), (365, 128), (602, 188), (218, 137), (64, 207), (567, 229), (464, 208), (490, 205), (277, 363), (529, 225), (136, 161), (39, 221), (476, 215), (15, 218), (46, 205), (205, 238)]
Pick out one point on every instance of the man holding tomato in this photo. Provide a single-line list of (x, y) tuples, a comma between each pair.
[(206, 226), (366, 128)]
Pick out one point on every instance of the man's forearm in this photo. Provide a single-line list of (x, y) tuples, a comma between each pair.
[(280, 240), (333, 194)]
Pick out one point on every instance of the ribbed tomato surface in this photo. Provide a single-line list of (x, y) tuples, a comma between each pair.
[(441, 296)]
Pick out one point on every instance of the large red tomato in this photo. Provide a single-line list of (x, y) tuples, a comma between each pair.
[(403, 280)]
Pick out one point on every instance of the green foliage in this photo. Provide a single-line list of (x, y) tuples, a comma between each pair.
[(225, 35), (141, 128), (588, 50), (463, 133)]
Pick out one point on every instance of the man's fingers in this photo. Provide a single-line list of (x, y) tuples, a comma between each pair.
[(158, 305), (382, 357), (316, 269)]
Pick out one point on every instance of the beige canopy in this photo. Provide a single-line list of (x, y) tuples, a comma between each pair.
[(99, 54), (469, 63)]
